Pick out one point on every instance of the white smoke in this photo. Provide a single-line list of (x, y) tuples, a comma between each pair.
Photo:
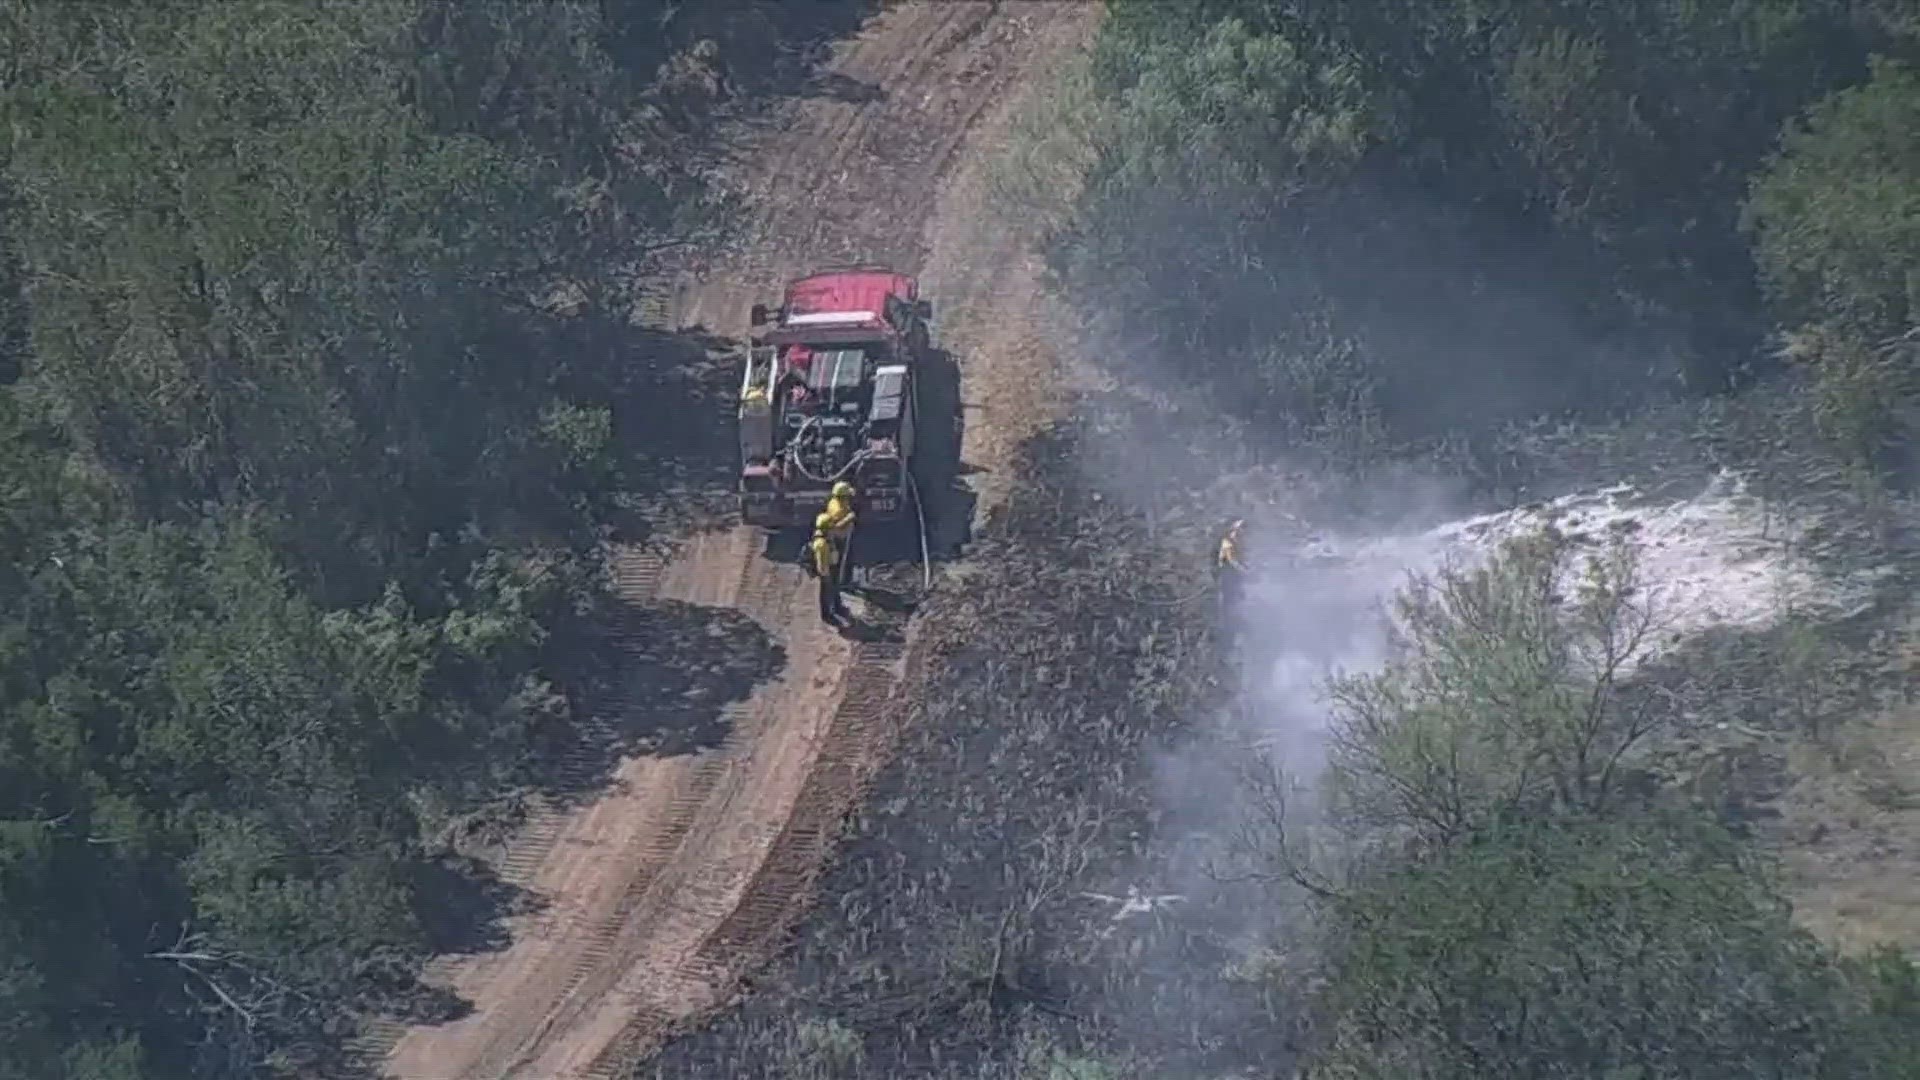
[(1319, 606)]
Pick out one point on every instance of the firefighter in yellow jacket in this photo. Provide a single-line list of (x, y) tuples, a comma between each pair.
[(839, 513), (823, 559), (1228, 569), (824, 524), (839, 520)]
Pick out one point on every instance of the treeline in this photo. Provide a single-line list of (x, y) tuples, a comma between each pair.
[(314, 335), (1392, 224)]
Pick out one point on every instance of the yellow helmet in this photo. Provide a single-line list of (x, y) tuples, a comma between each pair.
[(821, 522), (843, 490)]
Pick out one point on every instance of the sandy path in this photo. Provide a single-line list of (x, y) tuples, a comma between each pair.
[(662, 893)]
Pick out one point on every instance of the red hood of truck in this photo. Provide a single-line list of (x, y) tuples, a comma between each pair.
[(847, 291)]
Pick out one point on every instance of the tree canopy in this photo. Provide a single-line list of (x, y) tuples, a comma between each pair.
[(1432, 219), (1836, 214), (1580, 946), (305, 450)]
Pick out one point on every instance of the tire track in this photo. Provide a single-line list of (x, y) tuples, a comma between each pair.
[(858, 738), (613, 934), (816, 200)]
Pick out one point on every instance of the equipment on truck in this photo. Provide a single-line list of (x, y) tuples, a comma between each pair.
[(828, 397)]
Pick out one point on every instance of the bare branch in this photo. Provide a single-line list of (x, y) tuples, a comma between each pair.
[(185, 962)]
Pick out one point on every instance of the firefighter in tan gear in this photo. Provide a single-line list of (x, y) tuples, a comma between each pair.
[(823, 559), (1228, 570)]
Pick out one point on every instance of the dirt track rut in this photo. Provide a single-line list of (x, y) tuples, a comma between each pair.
[(661, 894)]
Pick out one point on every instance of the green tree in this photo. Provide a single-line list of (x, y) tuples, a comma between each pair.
[(298, 464), (1564, 945), (1377, 225), (1836, 215), (1504, 694), (221, 776), (1835, 220), (1230, 138), (259, 272), (1633, 125)]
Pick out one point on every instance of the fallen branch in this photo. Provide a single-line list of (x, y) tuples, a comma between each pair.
[(185, 961)]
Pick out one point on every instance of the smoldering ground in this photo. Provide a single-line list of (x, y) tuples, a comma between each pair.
[(1205, 912)]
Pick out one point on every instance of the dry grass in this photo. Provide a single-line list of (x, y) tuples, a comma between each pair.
[(993, 311), (1850, 821), (1806, 734), (1851, 831), (1036, 171)]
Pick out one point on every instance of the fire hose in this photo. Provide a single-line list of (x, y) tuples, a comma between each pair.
[(1187, 599), (792, 450), (920, 515), (792, 453)]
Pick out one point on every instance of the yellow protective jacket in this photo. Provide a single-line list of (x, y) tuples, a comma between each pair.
[(839, 520), (820, 556), (1229, 558)]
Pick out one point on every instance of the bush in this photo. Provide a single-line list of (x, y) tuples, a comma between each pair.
[(1836, 214), (1835, 219), (1573, 945), (1504, 694)]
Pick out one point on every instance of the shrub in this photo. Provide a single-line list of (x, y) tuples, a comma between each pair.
[(1835, 216), (1504, 694), (1574, 945)]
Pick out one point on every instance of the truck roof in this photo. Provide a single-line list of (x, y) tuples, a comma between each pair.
[(844, 298)]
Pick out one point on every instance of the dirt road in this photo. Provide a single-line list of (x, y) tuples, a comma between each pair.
[(660, 895)]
